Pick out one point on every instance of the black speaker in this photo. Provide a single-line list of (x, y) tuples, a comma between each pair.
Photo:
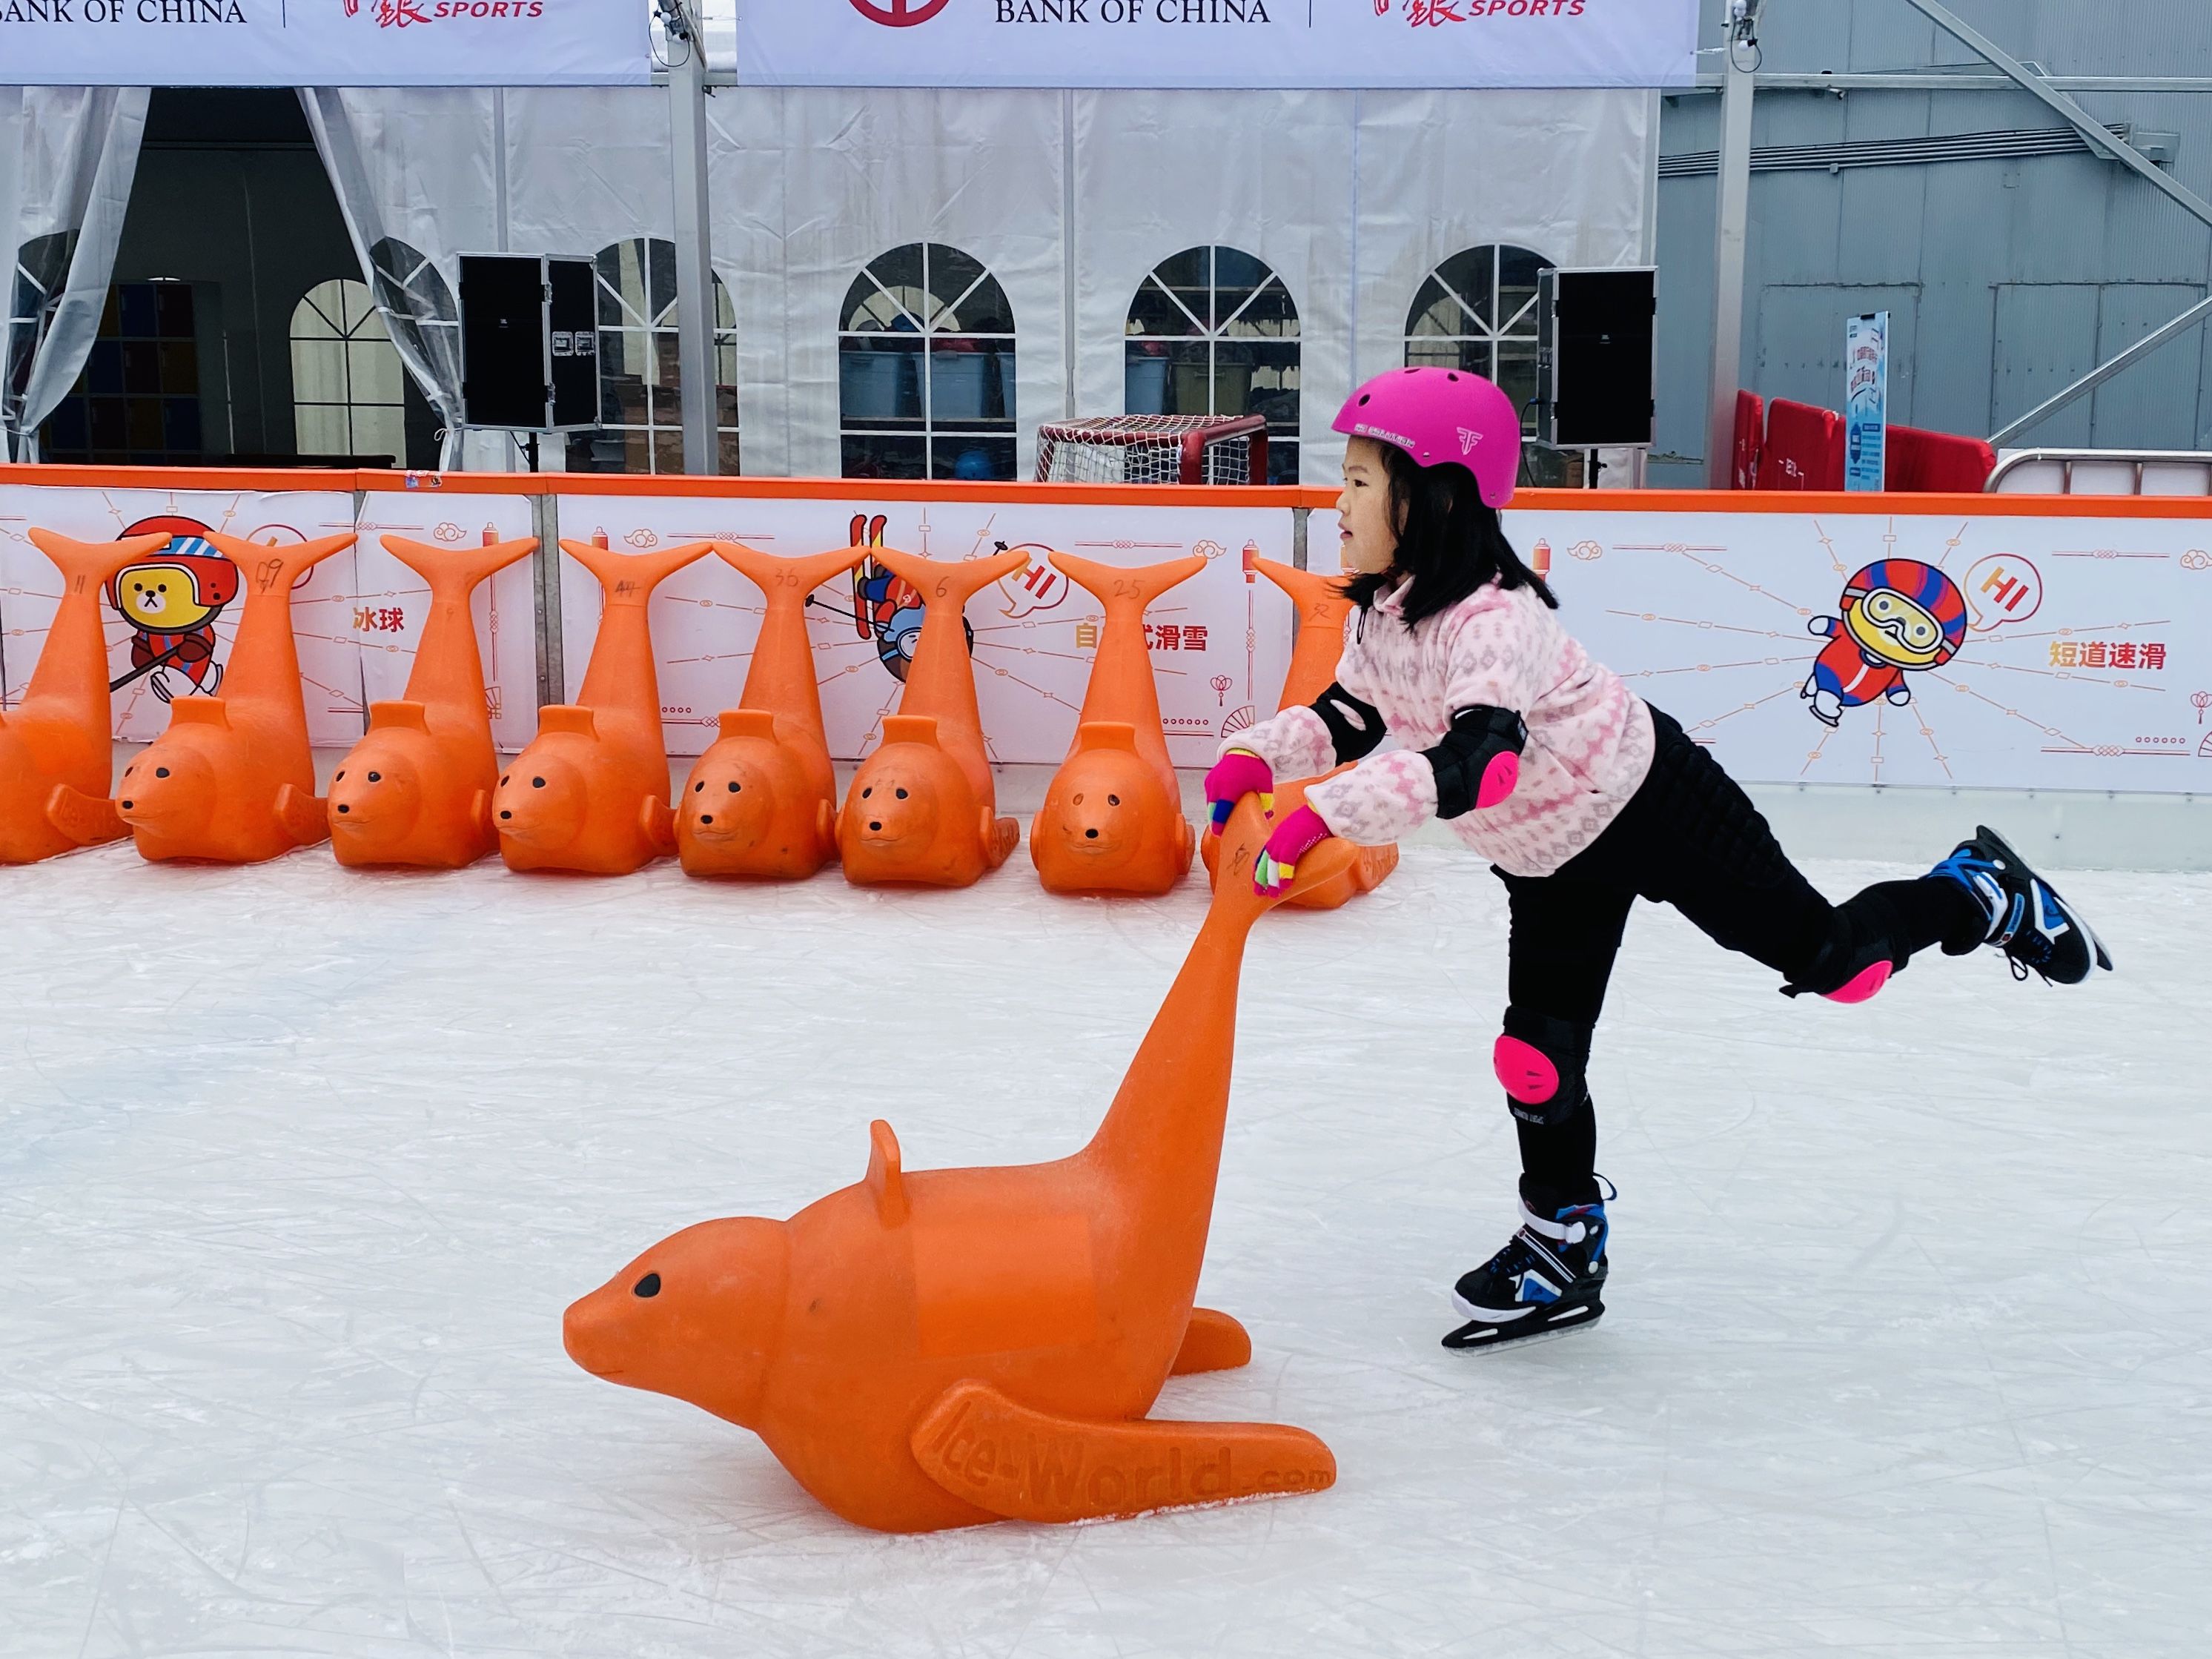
[(529, 357), (1595, 357)]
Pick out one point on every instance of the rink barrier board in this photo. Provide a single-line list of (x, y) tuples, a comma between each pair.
[(1704, 602)]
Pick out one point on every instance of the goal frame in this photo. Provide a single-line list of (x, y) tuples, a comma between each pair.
[(1194, 433)]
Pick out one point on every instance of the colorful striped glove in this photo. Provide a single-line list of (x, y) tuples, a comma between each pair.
[(1293, 838), (1237, 774)]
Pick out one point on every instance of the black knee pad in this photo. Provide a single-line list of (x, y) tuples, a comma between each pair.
[(1542, 1062)]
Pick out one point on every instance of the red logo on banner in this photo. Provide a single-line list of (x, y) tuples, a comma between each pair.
[(898, 14)]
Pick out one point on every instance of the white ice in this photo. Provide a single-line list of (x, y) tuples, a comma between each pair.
[(1906, 1353)]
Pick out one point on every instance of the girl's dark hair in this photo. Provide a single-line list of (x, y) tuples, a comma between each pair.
[(1451, 542)]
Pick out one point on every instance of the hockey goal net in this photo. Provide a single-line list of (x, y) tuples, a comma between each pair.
[(1165, 449)]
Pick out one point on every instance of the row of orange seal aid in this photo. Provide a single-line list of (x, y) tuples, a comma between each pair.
[(978, 1344), (233, 781)]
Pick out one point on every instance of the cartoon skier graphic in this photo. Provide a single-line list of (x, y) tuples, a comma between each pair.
[(1899, 616), (886, 608), (171, 602)]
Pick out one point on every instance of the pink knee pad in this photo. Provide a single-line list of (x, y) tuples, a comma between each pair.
[(1862, 985), (1526, 1071)]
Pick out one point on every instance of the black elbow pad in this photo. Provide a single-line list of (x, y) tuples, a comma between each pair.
[(1355, 727), (1479, 761)]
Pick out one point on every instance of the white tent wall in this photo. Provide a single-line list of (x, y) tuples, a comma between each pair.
[(1564, 174), (854, 174), (1269, 173), (1351, 197)]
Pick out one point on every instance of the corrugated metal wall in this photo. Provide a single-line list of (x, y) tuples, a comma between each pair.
[(2005, 279)]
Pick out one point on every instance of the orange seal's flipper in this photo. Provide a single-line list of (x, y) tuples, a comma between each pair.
[(579, 797), (1029, 1465), (408, 792), (208, 788), (923, 809), (1112, 820), (1212, 1342), (84, 820), (61, 735), (885, 1337), (763, 800), (304, 818)]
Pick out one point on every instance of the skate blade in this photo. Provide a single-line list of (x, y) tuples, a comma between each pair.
[(1482, 1333)]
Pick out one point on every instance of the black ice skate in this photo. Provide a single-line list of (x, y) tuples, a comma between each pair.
[(2028, 921), (1547, 1278)]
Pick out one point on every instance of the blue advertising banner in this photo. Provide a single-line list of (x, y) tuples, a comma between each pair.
[(1866, 402)]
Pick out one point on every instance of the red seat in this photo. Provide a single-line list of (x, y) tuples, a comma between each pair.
[(1938, 461), (1750, 439), (1804, 448)]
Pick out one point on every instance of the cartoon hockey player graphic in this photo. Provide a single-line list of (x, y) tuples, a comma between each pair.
[(172, 601), (1899, 616)]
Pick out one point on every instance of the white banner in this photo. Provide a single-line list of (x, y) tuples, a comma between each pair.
[(1218, 43), (1220, 641), (2055, 654), (324, 43), (2059, 652), (356, 617)]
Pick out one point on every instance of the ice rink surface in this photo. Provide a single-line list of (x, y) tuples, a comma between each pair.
[(1907, 1351)]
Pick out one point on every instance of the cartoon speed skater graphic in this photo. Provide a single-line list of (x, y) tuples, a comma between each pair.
[(1899, 616), (172, 601)]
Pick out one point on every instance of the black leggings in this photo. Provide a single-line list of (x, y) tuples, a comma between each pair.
[(1690, 838)]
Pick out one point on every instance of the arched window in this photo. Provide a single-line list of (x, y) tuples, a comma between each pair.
[(1477, 311), (1213, 332), (640, 380), (926, 369), (348, 392)]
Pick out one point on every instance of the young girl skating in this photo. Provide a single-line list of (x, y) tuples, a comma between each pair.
[(1582, 796)]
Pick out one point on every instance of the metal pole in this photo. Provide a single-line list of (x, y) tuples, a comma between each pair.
[(694, 264), (2092, 130), (2105, 371), (1732, 217)]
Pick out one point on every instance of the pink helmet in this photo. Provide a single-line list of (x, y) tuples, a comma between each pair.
[(1437, 415)]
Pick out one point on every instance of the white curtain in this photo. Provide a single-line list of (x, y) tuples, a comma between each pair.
[(810, 185), (73, 154), (1067, 198), (416, 178)]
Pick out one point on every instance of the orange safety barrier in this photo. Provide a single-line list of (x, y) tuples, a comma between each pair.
[(940, 1348), (417, 789), (923, 809), (1112, 820), (763, 800), (233, 781), (590, 791), (1322, 608), (56, 754)]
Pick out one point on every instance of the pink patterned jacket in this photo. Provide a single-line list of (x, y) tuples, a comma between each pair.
[(1589, 737)]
